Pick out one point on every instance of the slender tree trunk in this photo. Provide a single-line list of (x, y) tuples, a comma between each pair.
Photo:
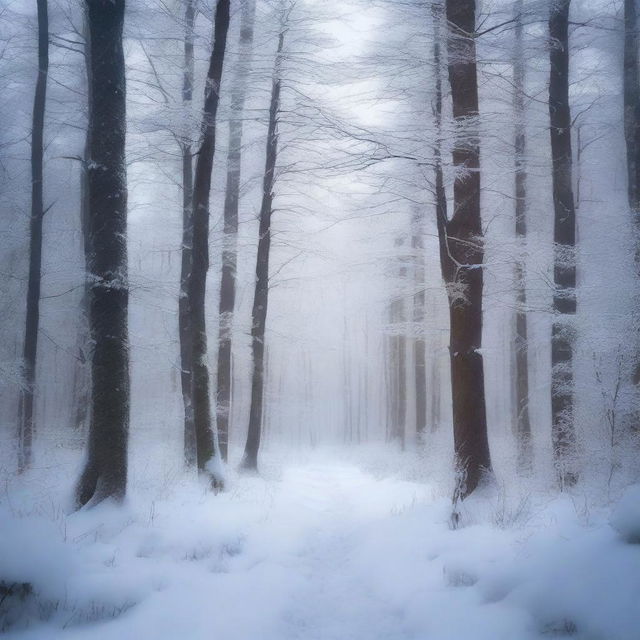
[(564, 271), (399, 348), (462, 254), (197, 281), (261, 296), (632, 139), (26, 422), (231, 205), (419, 347), (347, 390), (440, 194), (389, 384), (523, 424), (435, 396), (82, 373), (105, 472), (184, 316)]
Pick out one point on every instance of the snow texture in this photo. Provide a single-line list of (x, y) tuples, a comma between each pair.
[(326, 551)]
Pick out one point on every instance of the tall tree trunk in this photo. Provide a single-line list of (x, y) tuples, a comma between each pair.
[(105, 472), (632, 139), (261, 296), (231, 205), (462, 254), (564, 236), (197, 281), (82, 372), (632, 105), (419, 347), (523, 424), (26, 423), (184, 317), (437, 10)]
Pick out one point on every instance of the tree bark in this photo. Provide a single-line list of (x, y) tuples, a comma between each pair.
[(419, 347), (399, 356), (261, 296), (631, 81), (26, 421), (231, 206), (435, 396), (197, 281), (184, 316), (462, 254), (105, 471), (82, 372), (564, 271), (521, 347)]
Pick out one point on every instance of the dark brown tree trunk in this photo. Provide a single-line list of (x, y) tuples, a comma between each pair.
[(462, 254), (26, 423), (521, 346), (419, 347), (261, 297), (184, 317), (105, 472), (197, 281), (564, 236), (231, 205), (632, 139)]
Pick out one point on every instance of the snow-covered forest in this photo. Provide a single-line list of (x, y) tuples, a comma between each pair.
[(320, 320)]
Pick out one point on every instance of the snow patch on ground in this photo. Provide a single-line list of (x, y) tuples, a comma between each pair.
[(326, 551)]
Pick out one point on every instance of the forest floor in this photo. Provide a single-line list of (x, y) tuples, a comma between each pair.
[(325, 551)]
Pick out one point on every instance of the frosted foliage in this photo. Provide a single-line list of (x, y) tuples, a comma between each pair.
[(352, 528)]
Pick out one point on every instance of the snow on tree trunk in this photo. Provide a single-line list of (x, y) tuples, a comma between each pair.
[(231, 206), (184, 316), (521, 347), (564, 236), (105, 471), (462, 254)]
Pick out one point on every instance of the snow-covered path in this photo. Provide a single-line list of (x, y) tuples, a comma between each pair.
[(329, 553)]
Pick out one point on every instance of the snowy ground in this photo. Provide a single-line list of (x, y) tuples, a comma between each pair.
[(324, 552)]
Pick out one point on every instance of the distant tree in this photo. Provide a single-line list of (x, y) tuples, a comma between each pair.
[(105, 472), (398, 353), (206, 447), (26, 421), (462, 255), (231, 206), (261, 294), (419, 346), (564, 236), (82, 370), (521, 346)]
